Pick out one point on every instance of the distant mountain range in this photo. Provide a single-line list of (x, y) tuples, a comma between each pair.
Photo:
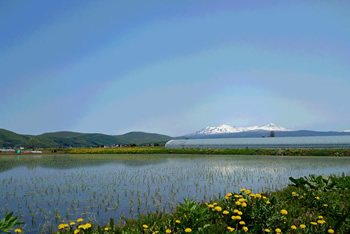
[(227, 131), (76, 139), (65, 139)]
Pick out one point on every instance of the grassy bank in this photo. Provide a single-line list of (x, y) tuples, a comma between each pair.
[(162, 150), (311, 205)]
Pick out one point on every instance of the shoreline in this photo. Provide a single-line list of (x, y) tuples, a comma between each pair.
[(163, 150)]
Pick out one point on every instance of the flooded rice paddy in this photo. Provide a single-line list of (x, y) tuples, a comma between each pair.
[(46, 190)]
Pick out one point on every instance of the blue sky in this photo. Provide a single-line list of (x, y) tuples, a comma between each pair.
[(173, 67)]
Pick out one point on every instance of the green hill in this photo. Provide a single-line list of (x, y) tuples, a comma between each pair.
[(63, 134), (140, 138), (11, 139), (8, 138), (65, 139)]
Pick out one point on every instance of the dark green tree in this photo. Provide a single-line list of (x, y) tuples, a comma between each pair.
[(272, 134)]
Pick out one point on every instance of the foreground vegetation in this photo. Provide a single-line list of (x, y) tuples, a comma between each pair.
[(163, 150), (311, 205), (316, 204)]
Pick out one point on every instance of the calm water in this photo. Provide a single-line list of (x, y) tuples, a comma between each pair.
[(50, 189)]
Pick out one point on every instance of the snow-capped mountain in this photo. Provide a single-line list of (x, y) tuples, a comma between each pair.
[(219, 129), (267, 127), (233, 129)]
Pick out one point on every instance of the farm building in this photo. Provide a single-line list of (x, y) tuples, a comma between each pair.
[(310, 142)]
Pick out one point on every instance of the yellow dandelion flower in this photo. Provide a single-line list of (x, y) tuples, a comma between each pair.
[(88, 225), (321, 221), (188, 230), (236, 196), (243, 189), (245, 229), (235, 211), (231, 229), (61, 226), (330, 231), (320, 217), (278, 230), (80, 220), (267, 230), (238, 217), (83, 227), (247, 192), (325, 205), (225, 212), (106, 228), (76, 231), (18, 230), (258, 196), (177, 221), (145, 226), (156, 232), (211, 206), (268, 202), (229, 194), (215, 203), (242, 200), (302, 226), (227, 197), (264, 197), (242, 223), (284, 212), (244, 204), (293, 227), (313, 223), (218, 208), (252, 195), (317, 198), (72, 223), (168, 231), (238, 203), (240, 213)]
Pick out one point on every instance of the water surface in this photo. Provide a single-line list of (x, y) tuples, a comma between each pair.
[(46, 190)]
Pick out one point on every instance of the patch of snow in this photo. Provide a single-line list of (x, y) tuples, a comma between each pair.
[(224, 128)]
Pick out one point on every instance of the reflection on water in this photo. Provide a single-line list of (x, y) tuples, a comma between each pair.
[(51, 189)]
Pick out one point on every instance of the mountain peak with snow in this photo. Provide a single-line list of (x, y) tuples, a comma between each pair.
[(224, 129)]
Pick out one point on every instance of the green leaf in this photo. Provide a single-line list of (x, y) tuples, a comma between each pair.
[(8, 216)]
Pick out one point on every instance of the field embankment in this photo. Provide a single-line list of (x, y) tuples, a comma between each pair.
[(163, 150)]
